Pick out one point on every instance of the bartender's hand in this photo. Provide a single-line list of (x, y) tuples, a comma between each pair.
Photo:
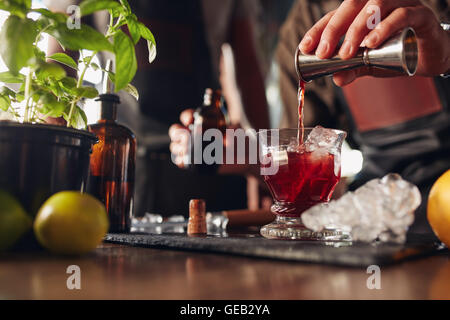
[(351, 19), (179, 136)]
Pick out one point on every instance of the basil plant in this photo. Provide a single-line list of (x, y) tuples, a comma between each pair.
[(44, 89)]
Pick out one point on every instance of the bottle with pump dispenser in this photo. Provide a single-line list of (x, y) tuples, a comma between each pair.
[(112, 165)]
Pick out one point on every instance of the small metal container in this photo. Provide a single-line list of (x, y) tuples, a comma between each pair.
[(399, 53)]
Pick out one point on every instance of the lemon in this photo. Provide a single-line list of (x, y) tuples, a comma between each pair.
[(438, 210), (71, 222), (14, 221)]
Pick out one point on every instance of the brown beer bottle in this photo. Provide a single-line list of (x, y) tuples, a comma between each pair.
[(211, 115), (112, 166)]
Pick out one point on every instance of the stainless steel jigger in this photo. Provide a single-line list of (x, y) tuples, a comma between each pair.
[(399, 53)]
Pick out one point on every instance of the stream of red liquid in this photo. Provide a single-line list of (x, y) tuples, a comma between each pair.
[(301, 102)]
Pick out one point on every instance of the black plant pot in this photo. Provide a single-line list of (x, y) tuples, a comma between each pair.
[(37, 160)]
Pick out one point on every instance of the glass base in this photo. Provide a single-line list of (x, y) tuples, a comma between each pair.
[(291, 228)]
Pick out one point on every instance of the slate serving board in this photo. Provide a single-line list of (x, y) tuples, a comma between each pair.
[(354, 254)]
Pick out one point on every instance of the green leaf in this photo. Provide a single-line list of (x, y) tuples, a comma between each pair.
[(55, 87), (40, 55), (24, 3), (117, 12), (20, 96), (126, 63), (83, 38), (16, 38), (133, 28), (64, 59), (94, 66), (47, 70), (79, 119), (151, 42), (81, 114), (90, 6), (49, 105), (7, 91), (69, 84), (132, 90), (8, 77), (125, 5), (55, 16), (111, 75), (5, 102), (56, 110), (14, 7), (86, 92)]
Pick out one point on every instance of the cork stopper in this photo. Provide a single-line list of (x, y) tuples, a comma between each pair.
[(197, 217)]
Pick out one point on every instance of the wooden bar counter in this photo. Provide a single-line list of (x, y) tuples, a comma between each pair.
[(122, 272)]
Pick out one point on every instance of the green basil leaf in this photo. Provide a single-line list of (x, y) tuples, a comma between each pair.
[(43, 22), (94, 66), (55, 16), (116, 12), (55, 86), (47, 70), (7, 91), (64, 59), (16, 8), (111, 75), (83, 38), (151, 42), (132, 90), (133, 28), (40, 55), (16, 38), (52, 107), (20, 95), (90, 6), (125, 5), (79, 119), (24, 3), (8, 77), (5, 102), (86, 92), (69, 84), (44, 97), (126, 63), (83, 117)]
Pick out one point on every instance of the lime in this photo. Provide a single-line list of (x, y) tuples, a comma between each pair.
[(14, 222), (71, 222)]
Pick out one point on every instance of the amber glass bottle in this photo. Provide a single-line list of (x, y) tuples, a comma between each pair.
[(112, 167), (211, 115)]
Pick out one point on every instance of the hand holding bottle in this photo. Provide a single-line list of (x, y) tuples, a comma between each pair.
[(179, 136)]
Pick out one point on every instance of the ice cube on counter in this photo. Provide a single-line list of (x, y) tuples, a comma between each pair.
[(382, 209)]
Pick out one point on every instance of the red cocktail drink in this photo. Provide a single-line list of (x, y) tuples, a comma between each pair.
[(306, 179), (301, 167)]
